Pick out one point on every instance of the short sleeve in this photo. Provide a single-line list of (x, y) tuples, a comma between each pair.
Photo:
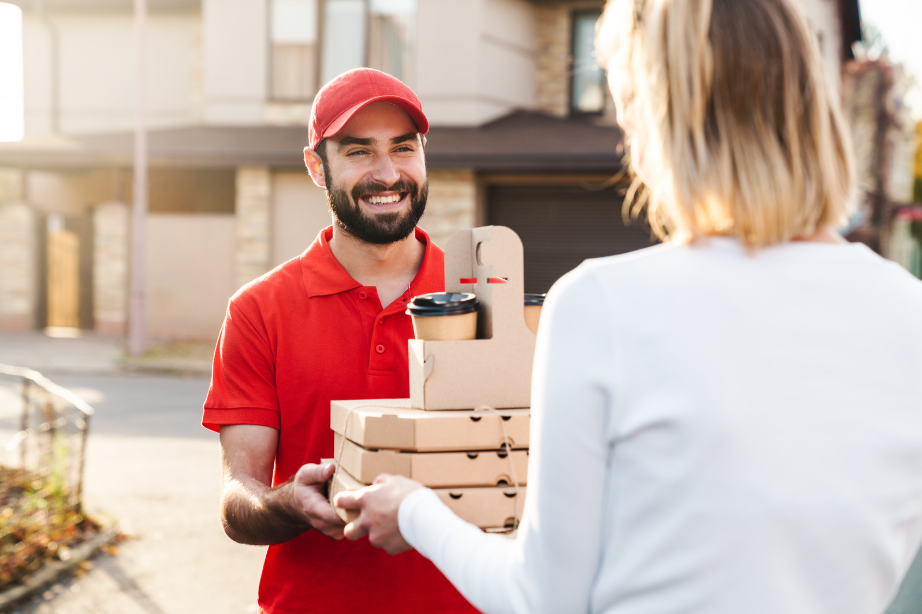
[(242, 387)]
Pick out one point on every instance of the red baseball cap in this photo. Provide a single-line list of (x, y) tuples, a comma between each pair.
[(340, 99)]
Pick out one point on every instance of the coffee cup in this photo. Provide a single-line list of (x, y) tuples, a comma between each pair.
[(444, 316), (533, 304)]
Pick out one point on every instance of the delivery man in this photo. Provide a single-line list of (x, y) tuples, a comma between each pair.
[(329, 324)]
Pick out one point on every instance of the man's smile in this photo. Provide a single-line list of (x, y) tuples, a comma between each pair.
[(385, 201)]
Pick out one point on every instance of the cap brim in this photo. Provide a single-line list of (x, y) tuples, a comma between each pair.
[(336, 126)]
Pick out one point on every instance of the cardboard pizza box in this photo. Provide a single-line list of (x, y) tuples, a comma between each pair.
[(489, 507), (342, 482), (392, 424), (434, 469), (495, 369)]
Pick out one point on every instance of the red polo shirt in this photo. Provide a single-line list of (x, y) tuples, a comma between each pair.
[(293, 340)]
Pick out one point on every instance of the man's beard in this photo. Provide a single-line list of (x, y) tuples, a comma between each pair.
[(383, 228)]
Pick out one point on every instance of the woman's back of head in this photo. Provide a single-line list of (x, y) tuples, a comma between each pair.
[(731, 126)]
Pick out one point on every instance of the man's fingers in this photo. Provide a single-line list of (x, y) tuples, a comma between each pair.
[(334, 531), (311, 474), (322, 512)]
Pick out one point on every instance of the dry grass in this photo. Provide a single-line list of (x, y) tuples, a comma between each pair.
[(36, 524)]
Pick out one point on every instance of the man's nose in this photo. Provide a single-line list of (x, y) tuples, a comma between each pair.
[(385, 171)]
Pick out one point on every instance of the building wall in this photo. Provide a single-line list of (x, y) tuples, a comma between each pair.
[(235, 48), (95, 64), (18, 250), (452, 204), (299, 213), (253, 223), (475, 59), (71, 192), (553, 32), (190, 274), (111, 244)]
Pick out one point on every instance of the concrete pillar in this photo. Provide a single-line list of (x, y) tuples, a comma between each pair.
[(452, 204), (111, 231), (254, 205), (18, 275)]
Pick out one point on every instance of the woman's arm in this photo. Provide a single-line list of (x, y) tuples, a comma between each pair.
[(551, 566)]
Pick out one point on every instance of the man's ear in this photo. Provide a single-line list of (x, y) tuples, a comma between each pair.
[(315, 167), (424, 140)]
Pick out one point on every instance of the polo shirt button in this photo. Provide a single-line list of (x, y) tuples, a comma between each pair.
[(363, 295), (379, 349), (380, 320)]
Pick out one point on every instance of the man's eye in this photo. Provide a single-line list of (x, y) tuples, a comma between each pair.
[(357, 152)]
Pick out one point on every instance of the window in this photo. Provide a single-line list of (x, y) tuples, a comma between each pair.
[(391, 36), (587, 79), (293, 32), (315, 40)]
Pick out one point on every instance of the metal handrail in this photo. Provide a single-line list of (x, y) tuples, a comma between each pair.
[(30, 377), (43, 382)]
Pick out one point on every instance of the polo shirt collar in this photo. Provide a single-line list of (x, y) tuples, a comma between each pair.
[(323, 275)]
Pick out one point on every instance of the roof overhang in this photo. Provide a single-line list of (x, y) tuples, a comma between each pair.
[(520, 142)]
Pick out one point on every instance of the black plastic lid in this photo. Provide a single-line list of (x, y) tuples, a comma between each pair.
[(534, 299), (443, 304)]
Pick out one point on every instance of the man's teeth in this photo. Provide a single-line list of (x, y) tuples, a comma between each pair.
[(383, 200)]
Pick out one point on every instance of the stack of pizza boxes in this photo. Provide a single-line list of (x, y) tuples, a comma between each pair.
[(464, 430)]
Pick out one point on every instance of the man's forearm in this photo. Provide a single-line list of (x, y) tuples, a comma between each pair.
[(252, 513)]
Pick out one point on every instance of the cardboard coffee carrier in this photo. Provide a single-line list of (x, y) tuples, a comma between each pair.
[(464, 429), (494, 369)]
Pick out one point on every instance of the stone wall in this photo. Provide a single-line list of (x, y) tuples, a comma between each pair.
[(17, 266), (12, 185), (452, 204), (254, 206), (111, 231), (553, 24)]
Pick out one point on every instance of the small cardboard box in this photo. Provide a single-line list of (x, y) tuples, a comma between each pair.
[(343, 482), (434, 469), (494, 369), (391, 424), (489, 507)]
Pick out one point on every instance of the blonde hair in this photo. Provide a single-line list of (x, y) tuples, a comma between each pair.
[(730, 125)]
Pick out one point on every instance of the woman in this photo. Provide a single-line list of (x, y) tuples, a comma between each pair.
[(730, 422)]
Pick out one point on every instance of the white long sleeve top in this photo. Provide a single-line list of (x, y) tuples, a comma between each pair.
[(713, 432)]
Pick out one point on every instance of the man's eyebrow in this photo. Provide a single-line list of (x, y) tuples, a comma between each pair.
[(354, 140), (403, 138)]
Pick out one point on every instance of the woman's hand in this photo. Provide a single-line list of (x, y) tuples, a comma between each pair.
[(378, 504)]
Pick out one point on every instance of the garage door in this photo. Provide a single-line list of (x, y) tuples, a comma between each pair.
[(561, 226)]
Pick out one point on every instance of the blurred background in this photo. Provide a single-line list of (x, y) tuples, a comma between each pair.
[(151, 164), (524, 135)]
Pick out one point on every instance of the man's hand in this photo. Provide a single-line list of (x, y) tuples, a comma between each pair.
[(309, 487), (378, 505), (254, 513)]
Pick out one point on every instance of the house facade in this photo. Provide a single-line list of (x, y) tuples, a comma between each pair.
[(523, 134)]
